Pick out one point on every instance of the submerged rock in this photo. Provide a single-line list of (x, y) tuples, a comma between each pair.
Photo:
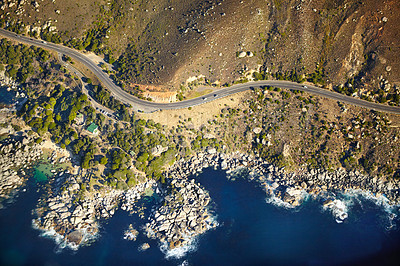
[(75, 237), (144, 247), (131, 234)]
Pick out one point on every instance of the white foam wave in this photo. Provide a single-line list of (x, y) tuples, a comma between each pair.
[(278, 202), (61, 242), (185, 263), (179, 252), (379, 200), (338, 209), (342, 203)]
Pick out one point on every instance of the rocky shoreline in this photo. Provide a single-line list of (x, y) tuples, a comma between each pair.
[(72, 215), (16, 154), (185, 211), (287, 186), (184, 214), (74, 218), (181, 214)]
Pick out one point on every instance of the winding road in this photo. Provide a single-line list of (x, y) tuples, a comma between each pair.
[(146, 106)]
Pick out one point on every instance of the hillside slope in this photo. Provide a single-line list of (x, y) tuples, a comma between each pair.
[(168, 42)]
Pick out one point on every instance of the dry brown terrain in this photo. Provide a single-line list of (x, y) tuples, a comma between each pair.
[(181, 39)]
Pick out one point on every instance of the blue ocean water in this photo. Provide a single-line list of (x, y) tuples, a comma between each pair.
[(7, 97), (251, 232)]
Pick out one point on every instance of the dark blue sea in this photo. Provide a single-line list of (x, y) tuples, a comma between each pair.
[(251, 232), (7, 97)]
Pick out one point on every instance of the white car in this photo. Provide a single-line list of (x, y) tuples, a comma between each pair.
[(305, 87)]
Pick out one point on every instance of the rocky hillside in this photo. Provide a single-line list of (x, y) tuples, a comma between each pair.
[(167, 42)]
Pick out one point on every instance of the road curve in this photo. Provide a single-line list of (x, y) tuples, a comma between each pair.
[(146, 106)]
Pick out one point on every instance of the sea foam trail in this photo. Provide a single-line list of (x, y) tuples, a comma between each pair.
[(278, 202), (179, 252), (340, 204), (191, 242), (338, 208), (61, 242), (353, 196)]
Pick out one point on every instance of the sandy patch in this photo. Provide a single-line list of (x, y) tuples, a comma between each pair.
[(98, 60), (161, 97), (47, 144), (198, 115)]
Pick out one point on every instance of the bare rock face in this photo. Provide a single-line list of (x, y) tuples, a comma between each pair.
[(156, 151), (257, 130), (242, 54), (16, 154), (293, 196), (75, 237), (76, 220), (144, 247), (183, 215)]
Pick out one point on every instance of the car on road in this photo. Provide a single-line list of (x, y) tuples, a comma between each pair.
[(304, 86), (215, 95), (204, 98), (44, 42)]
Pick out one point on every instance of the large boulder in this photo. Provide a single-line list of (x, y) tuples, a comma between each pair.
[(75, 237)]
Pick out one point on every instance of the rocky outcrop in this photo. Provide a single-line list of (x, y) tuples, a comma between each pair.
[(157, 150), (144, 247), (183, 215), (16, 154), (288, 186), (338, 209), (73, 212), (131, 233)]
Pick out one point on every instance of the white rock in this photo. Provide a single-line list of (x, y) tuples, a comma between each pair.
[(257, 130), (242, 54)]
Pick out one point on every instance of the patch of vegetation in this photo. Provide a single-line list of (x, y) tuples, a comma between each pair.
[(20, 60), (104, 97), (134, 62)]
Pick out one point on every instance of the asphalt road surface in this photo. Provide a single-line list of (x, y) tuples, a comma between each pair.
[(83, 85), (146, 106)]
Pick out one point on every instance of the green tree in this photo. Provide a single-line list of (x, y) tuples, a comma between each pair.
[(103, 160), (72, 115), (86, 160)]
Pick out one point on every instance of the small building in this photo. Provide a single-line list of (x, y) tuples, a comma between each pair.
[(93, 128)]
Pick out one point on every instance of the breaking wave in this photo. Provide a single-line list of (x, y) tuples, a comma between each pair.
[(341, 204), (61, 242), (191, 242), (361, 197), (338, 208), (179, 252), (278, 202)]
